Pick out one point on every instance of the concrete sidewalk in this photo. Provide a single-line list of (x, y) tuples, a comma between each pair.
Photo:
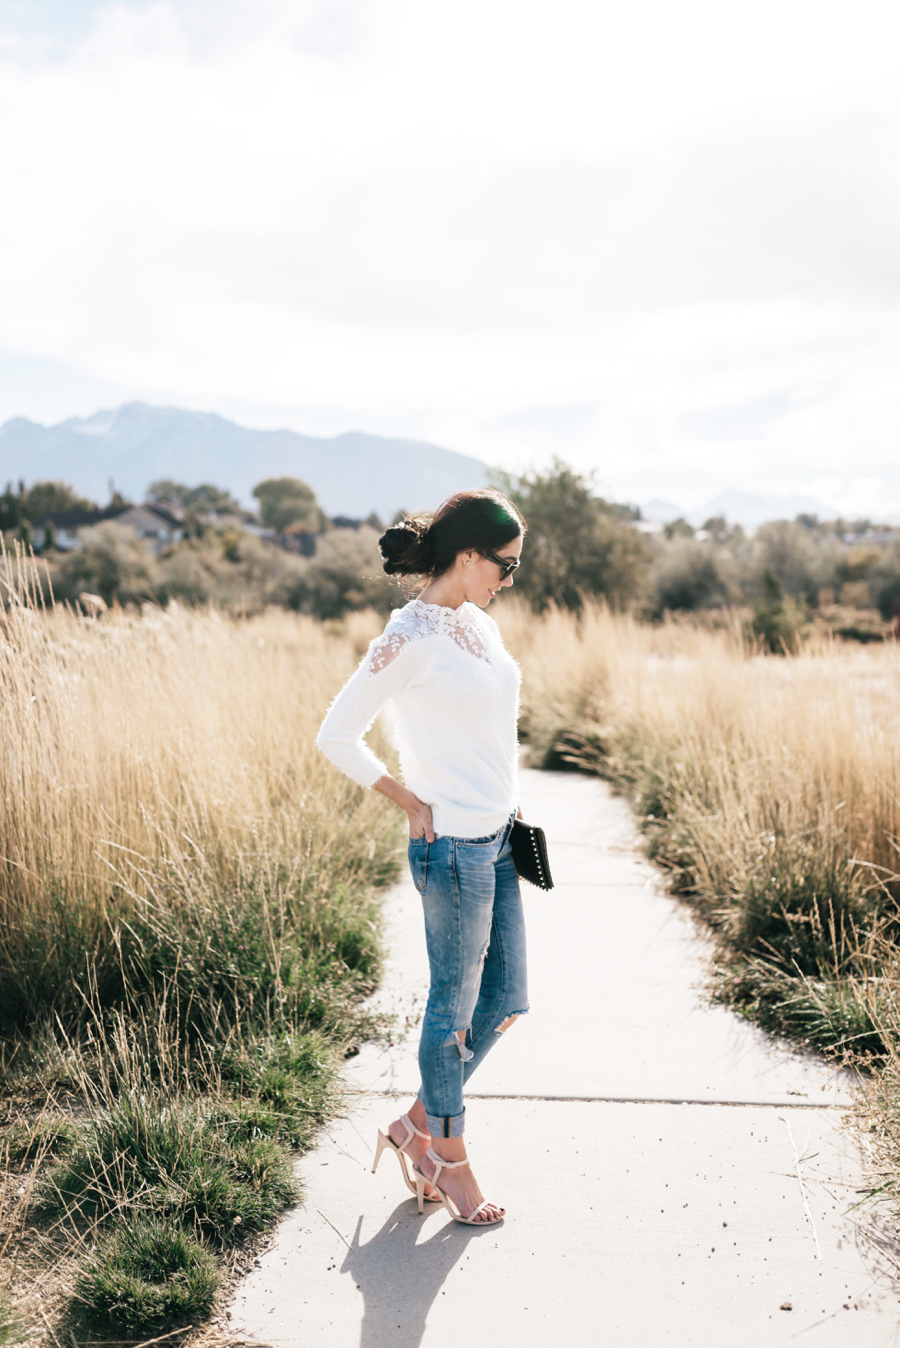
[(645, 1145)]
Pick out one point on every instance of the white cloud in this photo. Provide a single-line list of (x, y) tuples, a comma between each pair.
[(472, 222)]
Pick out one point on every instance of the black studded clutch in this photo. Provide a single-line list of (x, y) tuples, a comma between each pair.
[(529, 849)]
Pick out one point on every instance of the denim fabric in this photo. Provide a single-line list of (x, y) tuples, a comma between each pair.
[(475, 931)]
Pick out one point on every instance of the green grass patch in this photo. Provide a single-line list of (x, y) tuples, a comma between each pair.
[(838, 1016), (190, 1162), (150, 1275)]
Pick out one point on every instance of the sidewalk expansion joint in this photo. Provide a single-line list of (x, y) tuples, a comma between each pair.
[(632, 1100)]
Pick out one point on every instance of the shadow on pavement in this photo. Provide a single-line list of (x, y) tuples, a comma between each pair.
[(400, 1274)]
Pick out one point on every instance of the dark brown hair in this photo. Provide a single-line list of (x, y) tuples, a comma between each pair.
[(478, 520)]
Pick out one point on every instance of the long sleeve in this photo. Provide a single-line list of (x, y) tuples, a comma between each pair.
[(451, 690), (389, 666)]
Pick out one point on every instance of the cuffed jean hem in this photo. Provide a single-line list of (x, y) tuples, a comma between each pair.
[(451, 1125)]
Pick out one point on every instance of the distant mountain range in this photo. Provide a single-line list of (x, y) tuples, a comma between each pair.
[(751, 510), (134, 445), (745, 508), (352, 474)]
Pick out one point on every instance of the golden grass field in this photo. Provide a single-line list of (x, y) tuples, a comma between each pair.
[(755, 749), (188, 923), (157, 759), (769, 789), (188, 910)]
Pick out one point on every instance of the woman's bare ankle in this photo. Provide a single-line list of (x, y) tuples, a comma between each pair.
[(417, 1116), (449, 1148), (415, 1144)]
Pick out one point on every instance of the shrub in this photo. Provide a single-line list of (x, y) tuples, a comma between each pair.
[(345, 574), (801, 561), (776, 619), (687, 577), (113, 561), (855, 594), (885, 583)]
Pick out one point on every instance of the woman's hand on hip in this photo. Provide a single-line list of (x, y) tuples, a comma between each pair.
[(420, 825)]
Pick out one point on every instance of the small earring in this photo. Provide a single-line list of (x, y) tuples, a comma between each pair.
[(469, 561)]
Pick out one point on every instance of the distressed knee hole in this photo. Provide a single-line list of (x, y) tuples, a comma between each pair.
[(510, 1020), (458, 1037)]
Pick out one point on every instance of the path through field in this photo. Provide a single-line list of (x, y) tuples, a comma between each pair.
[(645, 1145)]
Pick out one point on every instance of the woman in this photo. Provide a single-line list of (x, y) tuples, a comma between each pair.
[(453, 691)]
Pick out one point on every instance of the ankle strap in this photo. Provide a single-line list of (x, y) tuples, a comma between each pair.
[(411, 1130), (441, 1164), (405, 1119), (448, 1165)]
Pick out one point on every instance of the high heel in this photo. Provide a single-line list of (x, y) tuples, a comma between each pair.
[(439, 1165), (406, 1167)]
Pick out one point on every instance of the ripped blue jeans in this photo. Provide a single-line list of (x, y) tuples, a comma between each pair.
[(475, 931)]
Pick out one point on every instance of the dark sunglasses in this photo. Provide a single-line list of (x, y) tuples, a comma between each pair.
[(507, 565)]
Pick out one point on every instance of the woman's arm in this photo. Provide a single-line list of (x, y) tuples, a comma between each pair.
[(420, 825), (383, 673)]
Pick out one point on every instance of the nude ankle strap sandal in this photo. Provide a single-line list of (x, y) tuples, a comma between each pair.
[(399, 1149), (440, 1164)]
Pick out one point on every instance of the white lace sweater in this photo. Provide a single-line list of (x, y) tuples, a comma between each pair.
[(451, 690)]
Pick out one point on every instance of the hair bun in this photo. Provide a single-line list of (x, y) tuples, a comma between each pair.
[(406, 548)]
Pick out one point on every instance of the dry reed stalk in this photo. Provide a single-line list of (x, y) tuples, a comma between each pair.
[(769, 787), (186, 908), (163, 751), (751, 745)]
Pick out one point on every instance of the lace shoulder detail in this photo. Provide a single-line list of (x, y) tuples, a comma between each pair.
[(385, 649), (418, 620)]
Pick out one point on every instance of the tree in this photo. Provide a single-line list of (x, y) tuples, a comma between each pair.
[(288, 505), (577, 543), (802, 562), (51, 498), (205, 499), (33, 504), (886, 582), (679, 529), (11, 512)]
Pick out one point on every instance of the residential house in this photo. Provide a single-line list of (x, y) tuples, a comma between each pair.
[(153, 523)]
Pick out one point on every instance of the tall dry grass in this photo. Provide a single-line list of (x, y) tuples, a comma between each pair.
[(188, 923), (159, 779), (768, 786)]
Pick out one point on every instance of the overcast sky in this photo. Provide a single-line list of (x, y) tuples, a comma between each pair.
[(658, 239)]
